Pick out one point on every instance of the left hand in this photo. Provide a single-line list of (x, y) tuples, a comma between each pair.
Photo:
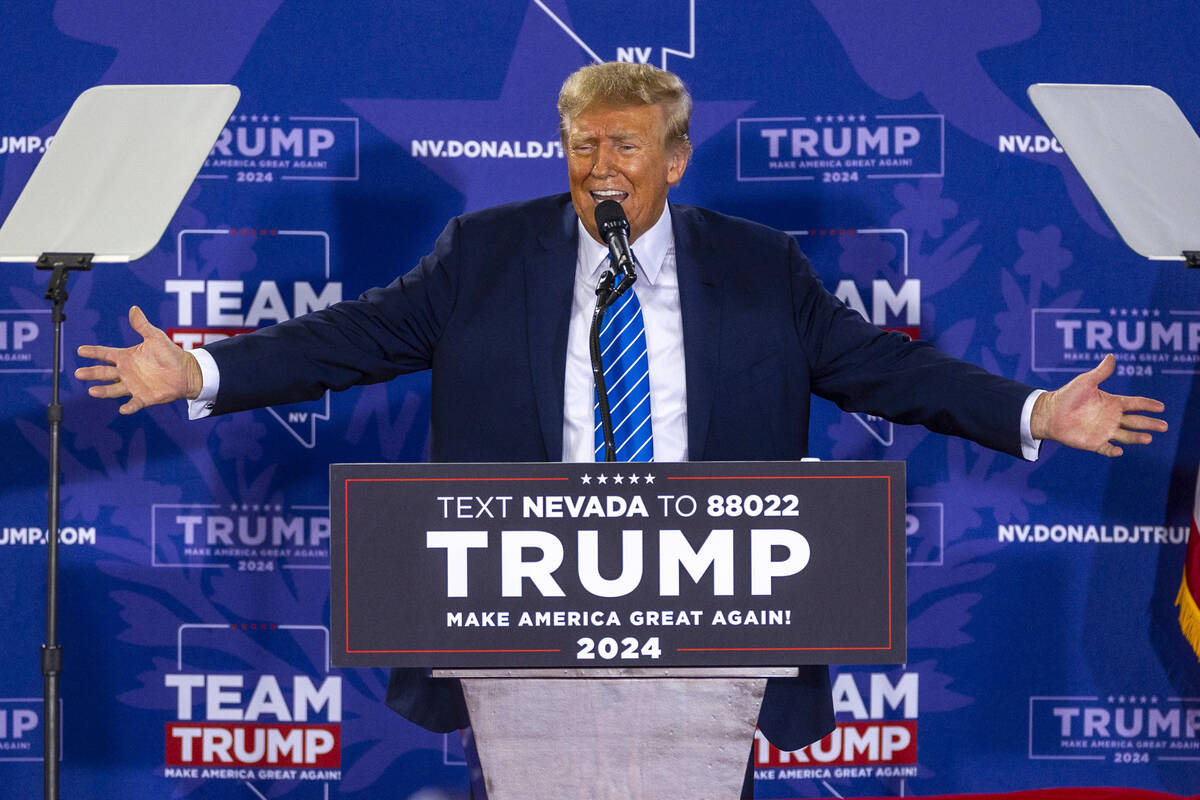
[(1082, 416)]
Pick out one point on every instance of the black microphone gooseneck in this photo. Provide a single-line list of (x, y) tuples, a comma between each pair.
[(614, 229)]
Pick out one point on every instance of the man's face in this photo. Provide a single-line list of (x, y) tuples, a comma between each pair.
[(620, 153)]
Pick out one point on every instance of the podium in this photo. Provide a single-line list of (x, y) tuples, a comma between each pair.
[(614, 625), (621, 733)]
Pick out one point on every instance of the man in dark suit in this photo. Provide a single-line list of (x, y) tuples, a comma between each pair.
[(738, 329)]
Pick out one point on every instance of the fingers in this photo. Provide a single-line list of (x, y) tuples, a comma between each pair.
[(132, 407), (98, 373), (1136, 422), (1132, 437), (1132, 431), (1102, 371), (136, 372), (139, 322), (108, 391), (97, 352), (1141, 404)]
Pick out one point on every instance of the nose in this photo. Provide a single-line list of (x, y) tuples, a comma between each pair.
[(604, 165)]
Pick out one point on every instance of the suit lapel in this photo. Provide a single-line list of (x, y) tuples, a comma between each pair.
[(549, 287), (701, 310)]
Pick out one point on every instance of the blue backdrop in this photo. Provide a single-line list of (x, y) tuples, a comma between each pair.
[(895, 140)]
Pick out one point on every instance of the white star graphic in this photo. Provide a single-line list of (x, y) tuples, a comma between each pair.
[(618, 479), (601, 479), (649, 479), (586, 478), (633, 478)]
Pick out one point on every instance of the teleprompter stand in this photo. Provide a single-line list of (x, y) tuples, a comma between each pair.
[(560, 608), (60, 265), (118, 168)]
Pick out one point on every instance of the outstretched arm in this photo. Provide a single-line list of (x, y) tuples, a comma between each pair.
[(155, 371), (1080, 415)]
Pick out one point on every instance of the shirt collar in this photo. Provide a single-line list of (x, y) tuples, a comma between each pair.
[(650, 249)]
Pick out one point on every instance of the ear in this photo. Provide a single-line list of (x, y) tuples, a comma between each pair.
[(677, 161)]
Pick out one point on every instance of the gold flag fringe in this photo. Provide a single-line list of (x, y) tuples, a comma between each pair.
[(1189, 616)]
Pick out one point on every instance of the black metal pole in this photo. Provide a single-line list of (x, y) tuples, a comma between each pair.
[(56, 293)]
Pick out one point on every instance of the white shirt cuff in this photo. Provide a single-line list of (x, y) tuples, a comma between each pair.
[(1029, 446), (203, 405)]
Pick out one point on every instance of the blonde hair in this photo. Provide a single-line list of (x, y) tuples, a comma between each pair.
[(621, 83)]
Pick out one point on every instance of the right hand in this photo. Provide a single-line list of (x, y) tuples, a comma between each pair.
[(155, 371), (1084, 416)]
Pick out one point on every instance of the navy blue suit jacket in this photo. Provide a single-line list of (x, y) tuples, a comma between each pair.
[(488, 312)]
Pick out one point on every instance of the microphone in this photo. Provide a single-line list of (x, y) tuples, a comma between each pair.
[(614, 230)]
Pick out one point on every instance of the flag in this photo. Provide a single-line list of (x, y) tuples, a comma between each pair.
[(1188, 599)]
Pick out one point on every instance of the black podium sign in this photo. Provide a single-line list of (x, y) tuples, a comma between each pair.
[(617, 565)]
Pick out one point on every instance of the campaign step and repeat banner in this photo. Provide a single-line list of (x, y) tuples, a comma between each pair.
[(894, 141)]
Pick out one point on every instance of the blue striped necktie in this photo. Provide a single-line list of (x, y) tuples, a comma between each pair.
[(627, 374)]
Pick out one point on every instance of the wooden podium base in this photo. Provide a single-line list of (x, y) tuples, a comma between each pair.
[(614, 734)]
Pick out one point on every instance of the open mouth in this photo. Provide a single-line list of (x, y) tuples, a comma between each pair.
[(609, 194)]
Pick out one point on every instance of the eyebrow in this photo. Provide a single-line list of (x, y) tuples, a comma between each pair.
[(615, 136)]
